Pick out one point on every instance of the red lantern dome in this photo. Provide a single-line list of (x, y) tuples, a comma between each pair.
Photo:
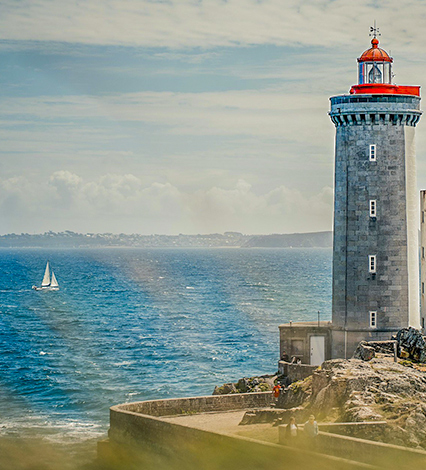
[(375, 53)]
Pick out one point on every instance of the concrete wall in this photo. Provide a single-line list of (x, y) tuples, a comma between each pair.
[(179, 406), (358, 429), (423, 258), (295, 372), (373, 453), (133, 434)]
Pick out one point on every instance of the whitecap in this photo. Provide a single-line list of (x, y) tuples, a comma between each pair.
[(123, 363)]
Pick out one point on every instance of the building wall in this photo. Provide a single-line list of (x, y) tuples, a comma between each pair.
[(423, 257), (387, 122), (295, 339), (412, 209)]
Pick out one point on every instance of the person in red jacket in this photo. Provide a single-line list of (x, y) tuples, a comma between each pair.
[(276, 390)]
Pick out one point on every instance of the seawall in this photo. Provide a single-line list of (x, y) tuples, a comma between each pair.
[(138, 432)]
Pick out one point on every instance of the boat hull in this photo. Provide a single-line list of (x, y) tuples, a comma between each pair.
[(45, 288)]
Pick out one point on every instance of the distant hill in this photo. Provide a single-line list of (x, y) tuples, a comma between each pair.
[(314, 239), (70, 239)]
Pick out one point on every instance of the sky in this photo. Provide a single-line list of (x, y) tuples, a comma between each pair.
[(184, 116)]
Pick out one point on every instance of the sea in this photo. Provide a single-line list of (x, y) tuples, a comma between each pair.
[(138, 324)]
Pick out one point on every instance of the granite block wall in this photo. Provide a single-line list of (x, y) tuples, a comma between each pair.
[(388, 123)]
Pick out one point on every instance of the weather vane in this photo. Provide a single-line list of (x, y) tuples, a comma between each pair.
[(374, 31)]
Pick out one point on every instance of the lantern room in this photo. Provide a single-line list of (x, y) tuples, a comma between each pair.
[(375, 73), (375, 65)]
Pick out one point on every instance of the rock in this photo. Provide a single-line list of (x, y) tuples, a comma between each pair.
[(243, 385), (264, 383), (361, 413), (355, 390), (225, 389), (364, 352), (411, 342), (383, 347), (295, 394), (415, 425)]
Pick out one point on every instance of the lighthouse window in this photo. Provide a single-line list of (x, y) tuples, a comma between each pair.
[(372, 152), (372, 263), (423, 287), (372, 208), (373, 319)]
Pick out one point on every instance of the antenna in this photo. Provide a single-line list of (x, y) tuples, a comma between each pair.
[(374, 31)]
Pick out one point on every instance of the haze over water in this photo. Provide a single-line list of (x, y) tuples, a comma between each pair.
[(137, 324)]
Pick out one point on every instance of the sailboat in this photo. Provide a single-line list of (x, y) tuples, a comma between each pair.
[(48, 283)]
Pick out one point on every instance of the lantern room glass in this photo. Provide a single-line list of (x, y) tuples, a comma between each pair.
[(374, 72)]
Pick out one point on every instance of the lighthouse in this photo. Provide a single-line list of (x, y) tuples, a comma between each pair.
[(375, 285), (375, 247)]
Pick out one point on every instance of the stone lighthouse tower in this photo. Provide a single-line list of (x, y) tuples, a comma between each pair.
[(375, 254), (375, 248)]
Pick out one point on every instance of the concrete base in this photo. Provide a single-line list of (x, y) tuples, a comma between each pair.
[(295, 340), (344, 343)]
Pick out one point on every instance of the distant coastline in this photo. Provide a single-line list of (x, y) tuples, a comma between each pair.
[(69, 239)]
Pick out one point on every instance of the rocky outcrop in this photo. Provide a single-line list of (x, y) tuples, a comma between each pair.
[(364, 351), (264, 383), (295, 394), (356, 391), (411, 344), (225, 389), (408, 343)]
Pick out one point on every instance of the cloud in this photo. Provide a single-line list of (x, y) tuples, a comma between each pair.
[(121, 203), (190, 58), (250, 112), (199, 139), (179, 24)]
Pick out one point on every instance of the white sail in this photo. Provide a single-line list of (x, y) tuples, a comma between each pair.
[(46, 278), (54, 282)]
